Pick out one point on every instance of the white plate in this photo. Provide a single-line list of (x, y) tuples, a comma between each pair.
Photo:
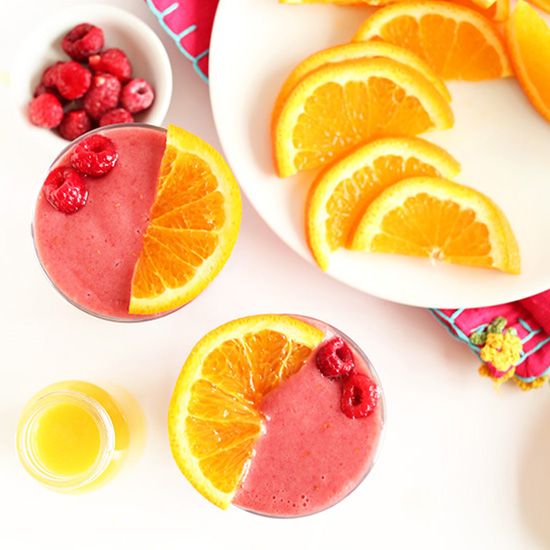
[(502, 143)]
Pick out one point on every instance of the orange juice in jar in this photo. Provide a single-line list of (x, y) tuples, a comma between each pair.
[(73, 436)]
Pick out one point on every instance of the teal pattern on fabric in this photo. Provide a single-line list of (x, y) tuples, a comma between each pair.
[(449, 322), (177, 37)]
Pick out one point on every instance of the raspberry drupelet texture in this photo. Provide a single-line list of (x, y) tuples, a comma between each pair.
[(335, 359), (49, 76), (74, 124), (112, 61), (359, 395), (137, 95), (116, 116), (103, 95), (45, 110), (72, 80), (43, 89), (94, 156), (65, 189), (83, 41)]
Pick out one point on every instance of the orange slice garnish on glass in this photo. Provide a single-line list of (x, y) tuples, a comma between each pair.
[(214, 417), (194, 225)]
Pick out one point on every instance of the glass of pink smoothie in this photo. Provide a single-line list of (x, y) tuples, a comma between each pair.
[(311, 455), (89, 255)]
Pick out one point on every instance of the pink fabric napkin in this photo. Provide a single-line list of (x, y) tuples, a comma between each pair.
[(529, 317), (189, 24), (539, 306)]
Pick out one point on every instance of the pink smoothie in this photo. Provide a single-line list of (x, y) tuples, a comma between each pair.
[(90, 255), (311, 455)]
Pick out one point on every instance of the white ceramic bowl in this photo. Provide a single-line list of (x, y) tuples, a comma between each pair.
[(42, 47)]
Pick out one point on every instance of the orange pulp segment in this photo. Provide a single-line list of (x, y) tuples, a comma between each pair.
[(194, 225), (457, 42), (342, 192), (439, 219), (341, 105), (214, 418), (528, 42)]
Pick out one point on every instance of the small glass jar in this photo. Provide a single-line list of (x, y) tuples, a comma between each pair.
[(73, 437)]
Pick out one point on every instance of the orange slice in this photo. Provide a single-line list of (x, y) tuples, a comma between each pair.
[(357, 50), (457, 42), (194, 224), (439, 219), (342, 192), (496, 10), (214, 418), (479, 3), (341, 105), (528, 41)]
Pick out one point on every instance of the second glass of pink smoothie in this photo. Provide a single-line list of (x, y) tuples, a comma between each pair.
[(311, 455)]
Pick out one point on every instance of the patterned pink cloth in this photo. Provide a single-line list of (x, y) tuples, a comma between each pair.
[(189, 24), (539, 306), (531, 319)]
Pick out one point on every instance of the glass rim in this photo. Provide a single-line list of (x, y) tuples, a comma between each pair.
[(25, 448)]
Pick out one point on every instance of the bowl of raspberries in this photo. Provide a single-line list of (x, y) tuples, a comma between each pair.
[(98, 65)]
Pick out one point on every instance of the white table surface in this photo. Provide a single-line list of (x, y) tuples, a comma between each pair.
[(462, 466)]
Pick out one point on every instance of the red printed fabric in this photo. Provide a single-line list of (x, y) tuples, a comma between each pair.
[(531, 319), (539, 306), (189, 24)]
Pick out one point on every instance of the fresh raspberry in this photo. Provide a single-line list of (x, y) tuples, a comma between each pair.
[(45, 110), (112, 61), (335, 358), (49, 76), (43, 89), (65, 189), (359, 395), (83, 41), (73, 80), (74, 124), (137, 95), (102, 96), (94, 156), (116, 116)]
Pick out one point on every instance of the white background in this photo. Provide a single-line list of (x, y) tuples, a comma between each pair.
[(462, 466)]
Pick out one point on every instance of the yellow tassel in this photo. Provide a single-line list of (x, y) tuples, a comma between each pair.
[(536, 383), (484, 371)]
